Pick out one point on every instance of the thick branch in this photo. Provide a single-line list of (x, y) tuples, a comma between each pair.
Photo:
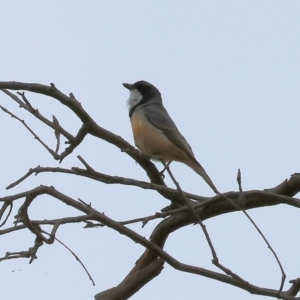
[(160, 234), (213, 208)]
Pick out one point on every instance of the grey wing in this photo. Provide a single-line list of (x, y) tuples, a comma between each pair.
[(159, 117)]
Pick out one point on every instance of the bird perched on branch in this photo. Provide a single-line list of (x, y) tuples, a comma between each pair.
[(155, 133)]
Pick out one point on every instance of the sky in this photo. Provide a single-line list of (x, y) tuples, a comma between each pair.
[(229, 75)]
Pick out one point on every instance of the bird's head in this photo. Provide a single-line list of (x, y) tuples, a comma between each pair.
[(141, 92)]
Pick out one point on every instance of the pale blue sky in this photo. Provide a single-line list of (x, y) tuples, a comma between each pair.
[(228, 72)]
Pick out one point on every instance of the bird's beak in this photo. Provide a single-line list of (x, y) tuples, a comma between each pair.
[(128, 86)]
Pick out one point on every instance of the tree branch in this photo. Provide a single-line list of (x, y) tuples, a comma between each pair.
[(92, 127), (151, 262)]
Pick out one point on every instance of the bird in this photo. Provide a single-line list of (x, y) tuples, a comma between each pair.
[(155, 133)]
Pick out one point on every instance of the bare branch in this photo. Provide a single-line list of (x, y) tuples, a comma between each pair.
[(76, 257), (151, 262), (194, 213), (30, 130), (27, 106), (56, 132), (283, 276), (89, 124), (3, 209), (90, 173)]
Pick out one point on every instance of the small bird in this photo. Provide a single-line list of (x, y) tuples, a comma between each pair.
[(155, 133)]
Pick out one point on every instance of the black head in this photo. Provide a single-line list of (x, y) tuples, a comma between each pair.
[(141, 92), (146, 89)]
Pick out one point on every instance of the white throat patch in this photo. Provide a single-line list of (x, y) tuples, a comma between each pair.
[(134, 98)]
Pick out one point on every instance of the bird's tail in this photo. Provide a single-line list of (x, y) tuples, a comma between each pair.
[(200, 170)]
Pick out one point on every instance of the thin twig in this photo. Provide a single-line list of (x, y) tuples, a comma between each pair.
[(3, 209), (30, 130), (194, 212), (283, 275), (38, 170), (56, 133), (27, 106), (31, 109), (88, 167), (76, 257)]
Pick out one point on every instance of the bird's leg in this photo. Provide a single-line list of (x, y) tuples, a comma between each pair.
[(164, 169)]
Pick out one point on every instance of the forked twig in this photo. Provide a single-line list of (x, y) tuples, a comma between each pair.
[(27, 106), (30, 130)]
